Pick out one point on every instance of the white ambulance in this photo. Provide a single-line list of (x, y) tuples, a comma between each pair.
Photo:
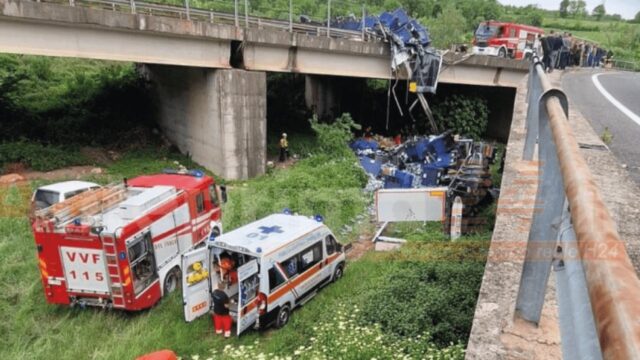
[(279, 262)]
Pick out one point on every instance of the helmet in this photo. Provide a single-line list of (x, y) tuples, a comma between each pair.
[(197, 266), (284, 134)]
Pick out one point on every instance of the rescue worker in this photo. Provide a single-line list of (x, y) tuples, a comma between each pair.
[(284, 148), (228, 271), (221, 318)]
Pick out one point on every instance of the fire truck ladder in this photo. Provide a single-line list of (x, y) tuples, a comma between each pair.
[(88, 203), (115, 278)]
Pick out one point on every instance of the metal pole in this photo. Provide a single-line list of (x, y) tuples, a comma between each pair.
[(329, 18), (186, 7), (211, 16), (72, 3), (364, 14), (133, 6), (246, 13), (290, 15), (235, 13)]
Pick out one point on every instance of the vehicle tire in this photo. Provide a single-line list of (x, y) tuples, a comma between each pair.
[(283, 316), (338, 272), (502, 53), (172, 281)]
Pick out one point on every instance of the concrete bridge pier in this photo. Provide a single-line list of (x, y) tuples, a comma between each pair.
[(322, 96), (217, 116)]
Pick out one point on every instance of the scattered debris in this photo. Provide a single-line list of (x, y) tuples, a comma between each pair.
[(449, 164)]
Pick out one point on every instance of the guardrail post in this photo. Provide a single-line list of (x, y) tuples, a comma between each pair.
[(211, 16), (235, 13), (577, 325), (547, 217), (364, 14), (328, 18), (533, 95), (133, 6), (290, 15), (72, 3), (246, 13), (187, 9)]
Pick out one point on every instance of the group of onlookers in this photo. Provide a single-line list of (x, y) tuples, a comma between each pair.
[(562, 50)]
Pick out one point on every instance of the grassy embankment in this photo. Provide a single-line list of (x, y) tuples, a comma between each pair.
[(386, 305)]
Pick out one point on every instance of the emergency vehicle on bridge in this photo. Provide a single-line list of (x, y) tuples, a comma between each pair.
[(503, 39), (119, 246), (280, 262)]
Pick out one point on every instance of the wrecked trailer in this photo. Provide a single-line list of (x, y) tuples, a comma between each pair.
[(459, 165)]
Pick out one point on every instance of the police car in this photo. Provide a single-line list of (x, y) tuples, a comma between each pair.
[(278, 263)]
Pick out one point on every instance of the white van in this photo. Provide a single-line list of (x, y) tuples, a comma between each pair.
[(280, 262), (48, 195)]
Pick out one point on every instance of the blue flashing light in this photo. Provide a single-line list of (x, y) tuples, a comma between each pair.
[(258, 250), (286, 211), (196, 173), (77, 222), (318, 218), (122, 255), (212, 236)]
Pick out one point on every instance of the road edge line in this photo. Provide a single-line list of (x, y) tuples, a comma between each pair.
[(613, 100)]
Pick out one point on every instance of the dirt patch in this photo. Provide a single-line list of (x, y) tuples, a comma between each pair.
[(69, 173), (361, 246)]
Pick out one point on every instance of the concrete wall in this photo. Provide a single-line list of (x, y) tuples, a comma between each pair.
[(216, 116)]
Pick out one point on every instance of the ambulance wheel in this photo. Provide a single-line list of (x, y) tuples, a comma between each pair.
[(283, 316), (337, 274), (172, 281), (502, 53)]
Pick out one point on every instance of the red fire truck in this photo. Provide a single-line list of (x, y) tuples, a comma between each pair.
[(507, 40), (120, 246)]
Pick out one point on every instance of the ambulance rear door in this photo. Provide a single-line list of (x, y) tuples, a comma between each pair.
[(249, 284), (196, 283)]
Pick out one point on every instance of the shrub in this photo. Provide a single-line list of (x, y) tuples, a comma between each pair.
[(39, 157), (465, 115), (437, 297), (333, 138)]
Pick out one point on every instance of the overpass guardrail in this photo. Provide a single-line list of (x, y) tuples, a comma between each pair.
[(239, 13), (572, 232)]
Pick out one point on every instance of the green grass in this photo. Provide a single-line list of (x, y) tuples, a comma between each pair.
[(33, 329)]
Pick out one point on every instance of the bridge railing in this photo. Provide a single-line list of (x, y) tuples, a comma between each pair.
[(597, 288), (239, 13)]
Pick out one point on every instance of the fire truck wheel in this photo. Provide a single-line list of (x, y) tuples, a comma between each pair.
[(172, 281), (337, 274), (502, 53), (283, 316)]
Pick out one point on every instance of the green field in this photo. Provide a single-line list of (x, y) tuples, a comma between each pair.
[(341, 322)]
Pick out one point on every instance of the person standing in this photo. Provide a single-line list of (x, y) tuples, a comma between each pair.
[(221, 318), (546, 51), (284, 148)]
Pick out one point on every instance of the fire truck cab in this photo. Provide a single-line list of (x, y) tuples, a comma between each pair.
[(507, 40), (119, 246), (278, 263)]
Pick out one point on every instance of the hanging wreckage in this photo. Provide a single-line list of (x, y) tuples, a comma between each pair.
[(407, 176), (412, 54)]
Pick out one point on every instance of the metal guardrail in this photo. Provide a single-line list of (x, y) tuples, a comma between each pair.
[(230, 12), (572, 232)]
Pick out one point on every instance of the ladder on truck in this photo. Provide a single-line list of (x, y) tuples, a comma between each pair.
[(87, 203), (113, 270)]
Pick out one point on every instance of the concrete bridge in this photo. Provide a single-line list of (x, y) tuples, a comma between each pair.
[(209, 74)]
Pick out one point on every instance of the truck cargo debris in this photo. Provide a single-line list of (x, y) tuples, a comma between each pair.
[(458, 165)]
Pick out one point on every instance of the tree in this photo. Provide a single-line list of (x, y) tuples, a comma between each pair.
[(636, 19), (598, 12), (448, 28), (564, 8), (577, 8)]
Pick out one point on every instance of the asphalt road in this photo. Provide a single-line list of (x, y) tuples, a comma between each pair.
[(598, 107)]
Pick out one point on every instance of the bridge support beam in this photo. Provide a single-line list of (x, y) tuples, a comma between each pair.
[(217, 116), (321, 95)]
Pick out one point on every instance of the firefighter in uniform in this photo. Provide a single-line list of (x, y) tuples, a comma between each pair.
[(284, 148), (221, 318)]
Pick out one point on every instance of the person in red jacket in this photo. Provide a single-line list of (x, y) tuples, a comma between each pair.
[(221, 319)]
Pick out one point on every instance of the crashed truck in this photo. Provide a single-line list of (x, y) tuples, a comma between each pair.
[(120, 246), (443, 167), (412, 57)]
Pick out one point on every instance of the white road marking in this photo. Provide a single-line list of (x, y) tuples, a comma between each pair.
[(613, 100)]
